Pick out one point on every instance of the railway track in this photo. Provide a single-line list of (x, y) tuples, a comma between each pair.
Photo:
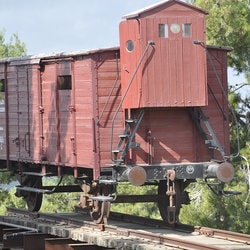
[(122, 232)]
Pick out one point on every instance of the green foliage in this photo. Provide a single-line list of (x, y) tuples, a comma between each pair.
[(12, 48), (8, 199), (140, 209), (228, 24), (239, 121), (5, 177), (223, 212), (59, 202)]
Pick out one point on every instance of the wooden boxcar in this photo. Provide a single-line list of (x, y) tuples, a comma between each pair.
[(152, 111)]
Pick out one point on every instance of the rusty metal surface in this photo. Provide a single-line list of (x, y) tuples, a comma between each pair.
[(234, 236), (35, 239)]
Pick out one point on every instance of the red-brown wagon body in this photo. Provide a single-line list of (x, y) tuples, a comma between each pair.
[(70, 125), (53, 109), (154, 109)]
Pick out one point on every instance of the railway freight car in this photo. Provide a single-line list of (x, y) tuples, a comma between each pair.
[(153, 111)]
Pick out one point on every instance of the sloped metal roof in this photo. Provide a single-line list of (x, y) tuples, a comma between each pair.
[(156, 5)]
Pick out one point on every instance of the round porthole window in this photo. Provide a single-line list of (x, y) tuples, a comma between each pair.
[(130, 45), (175, 28)]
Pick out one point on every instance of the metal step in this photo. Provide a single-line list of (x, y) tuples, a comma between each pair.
[(108, 182), (130, 121), (126, 139), (102, 198), (117, 151), (119, 160), (124, 136), (213, 142)]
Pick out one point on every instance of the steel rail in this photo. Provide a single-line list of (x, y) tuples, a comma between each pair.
[(218, 233)]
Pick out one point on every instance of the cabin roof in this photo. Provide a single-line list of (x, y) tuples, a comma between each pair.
[(164, 4), (35, 59)]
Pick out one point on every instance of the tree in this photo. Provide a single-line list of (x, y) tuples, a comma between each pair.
[(228, 24), (12, 48)]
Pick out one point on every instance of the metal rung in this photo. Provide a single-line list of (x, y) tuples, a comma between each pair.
[(119, 160), (116, 150), (35, 190), (124, 136), (111, 164), (108, 182), (102, 198), (130, 120)]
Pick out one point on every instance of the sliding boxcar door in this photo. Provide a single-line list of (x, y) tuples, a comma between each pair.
[(23, 113), (66, 113), (58, 113)]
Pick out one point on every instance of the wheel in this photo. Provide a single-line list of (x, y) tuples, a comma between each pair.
[(33, 199), (163, 202)]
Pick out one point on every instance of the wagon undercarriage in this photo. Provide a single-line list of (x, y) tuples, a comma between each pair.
[(171, 180)]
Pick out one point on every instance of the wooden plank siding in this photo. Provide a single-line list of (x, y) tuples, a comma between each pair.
[(109, 98), (173, 135)]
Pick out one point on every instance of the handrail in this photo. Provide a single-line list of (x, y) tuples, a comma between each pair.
[(149, 43)]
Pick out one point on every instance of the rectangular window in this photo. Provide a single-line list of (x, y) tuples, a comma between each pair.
[(64, 82), (2, 87), (163, 30), (186, 30)]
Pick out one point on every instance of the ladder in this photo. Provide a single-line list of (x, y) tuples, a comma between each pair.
[(212, 141), (126, 139)]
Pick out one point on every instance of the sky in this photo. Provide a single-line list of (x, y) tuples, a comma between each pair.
[(49, 26), (52, 26)]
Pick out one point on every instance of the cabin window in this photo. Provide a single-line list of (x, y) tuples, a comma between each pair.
[(130, 45), (163, 30), (186, 30), (175, 28), (2, 87), (64, 82)]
